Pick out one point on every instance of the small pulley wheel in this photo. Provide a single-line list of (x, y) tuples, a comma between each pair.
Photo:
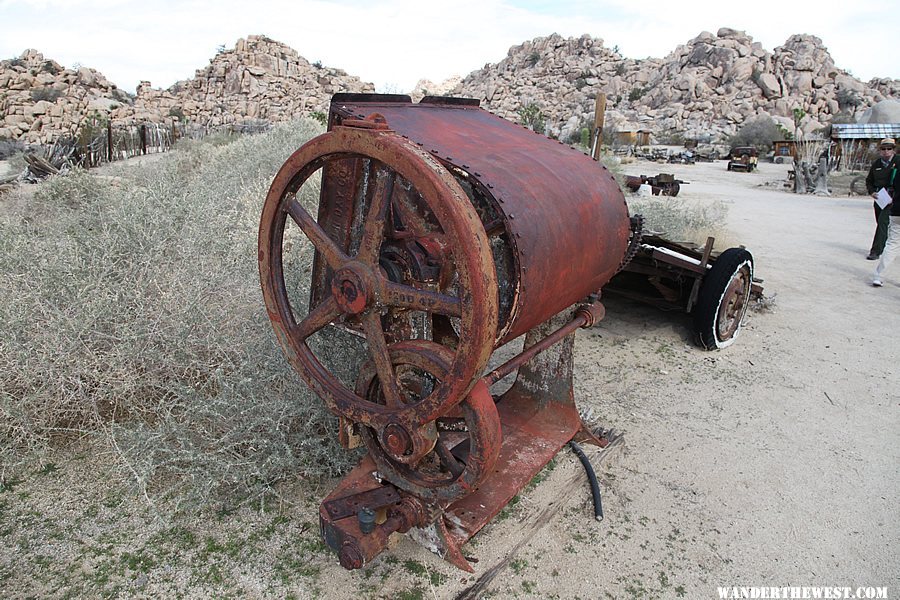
[(446, 458)]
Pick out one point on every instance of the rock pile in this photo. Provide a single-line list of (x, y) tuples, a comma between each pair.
[(260, 79), (704, 89), (40, 100)]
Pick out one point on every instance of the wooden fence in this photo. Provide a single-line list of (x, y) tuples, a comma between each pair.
[(114, 142)]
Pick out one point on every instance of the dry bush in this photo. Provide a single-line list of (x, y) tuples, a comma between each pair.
[(682, 221), (133, 313)]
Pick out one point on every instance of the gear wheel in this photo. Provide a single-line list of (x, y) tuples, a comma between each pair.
[(634, 240)]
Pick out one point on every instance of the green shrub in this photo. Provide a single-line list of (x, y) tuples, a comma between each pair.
[(759, 132), (50, 67), (532, 117), (533, 58), (636, 93), (45, 93), (178, 113), (132, 315)]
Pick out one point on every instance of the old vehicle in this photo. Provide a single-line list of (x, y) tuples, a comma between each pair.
[(715, 289), (743, 158)]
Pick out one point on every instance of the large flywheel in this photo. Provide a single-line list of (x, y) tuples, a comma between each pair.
[(416, 266)]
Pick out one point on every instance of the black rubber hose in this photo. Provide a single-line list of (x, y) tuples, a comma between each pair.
[(592, 479)]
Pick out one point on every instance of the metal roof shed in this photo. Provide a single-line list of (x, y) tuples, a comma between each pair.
[(864, 131)]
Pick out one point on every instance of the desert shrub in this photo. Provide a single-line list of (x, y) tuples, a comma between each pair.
[(9, 148), (636, 93), (620, 68), (848, 99), (533, 58), (681, 220), (178, 113), (45, 93), (671, 138), (50, 67), (532, 117), (759, 131), (132, 314)]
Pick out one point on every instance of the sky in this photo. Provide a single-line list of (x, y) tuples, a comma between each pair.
[(394, 43)]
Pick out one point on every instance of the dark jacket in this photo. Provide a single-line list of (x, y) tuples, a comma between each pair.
[(880, 176), (894, 207)]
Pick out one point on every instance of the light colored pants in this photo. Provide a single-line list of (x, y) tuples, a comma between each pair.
[(891, 248)]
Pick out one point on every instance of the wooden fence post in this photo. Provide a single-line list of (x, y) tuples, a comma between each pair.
[(109, 144)]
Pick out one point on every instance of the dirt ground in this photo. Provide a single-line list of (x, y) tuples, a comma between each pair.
[(775, 462)]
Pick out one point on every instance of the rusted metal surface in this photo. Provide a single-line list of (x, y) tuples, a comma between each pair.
[(345, 536), (442, 232), (585, 316), (554, 201)]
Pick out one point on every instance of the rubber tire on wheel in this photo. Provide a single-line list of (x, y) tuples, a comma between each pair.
[(724, 298)]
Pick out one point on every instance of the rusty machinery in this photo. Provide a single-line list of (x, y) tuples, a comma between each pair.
[(443, 232), (664, 183)]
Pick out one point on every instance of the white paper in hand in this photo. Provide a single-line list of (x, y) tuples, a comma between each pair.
[(882, 198)]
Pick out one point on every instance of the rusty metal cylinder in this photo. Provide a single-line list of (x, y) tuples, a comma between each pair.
[(562, 216)]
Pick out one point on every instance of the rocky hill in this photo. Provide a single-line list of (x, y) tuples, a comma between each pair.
[(705, 88), (258, 79), (40, 100)]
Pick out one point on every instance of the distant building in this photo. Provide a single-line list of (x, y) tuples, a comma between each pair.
[(785, 149), (632, 137), (857, 143)]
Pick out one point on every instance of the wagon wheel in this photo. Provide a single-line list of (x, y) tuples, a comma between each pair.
[(723, 299), (364, 295), (672, 189), (465, 441)]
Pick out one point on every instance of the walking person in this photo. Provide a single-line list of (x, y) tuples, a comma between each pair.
[(892, 247), (881, 175)]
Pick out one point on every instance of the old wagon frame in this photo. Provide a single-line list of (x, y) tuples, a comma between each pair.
[(714, 288)]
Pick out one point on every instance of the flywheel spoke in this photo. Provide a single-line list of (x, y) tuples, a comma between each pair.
[(371, 323), (317, 318), (373, 230), (448, 461), (330, 251)]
